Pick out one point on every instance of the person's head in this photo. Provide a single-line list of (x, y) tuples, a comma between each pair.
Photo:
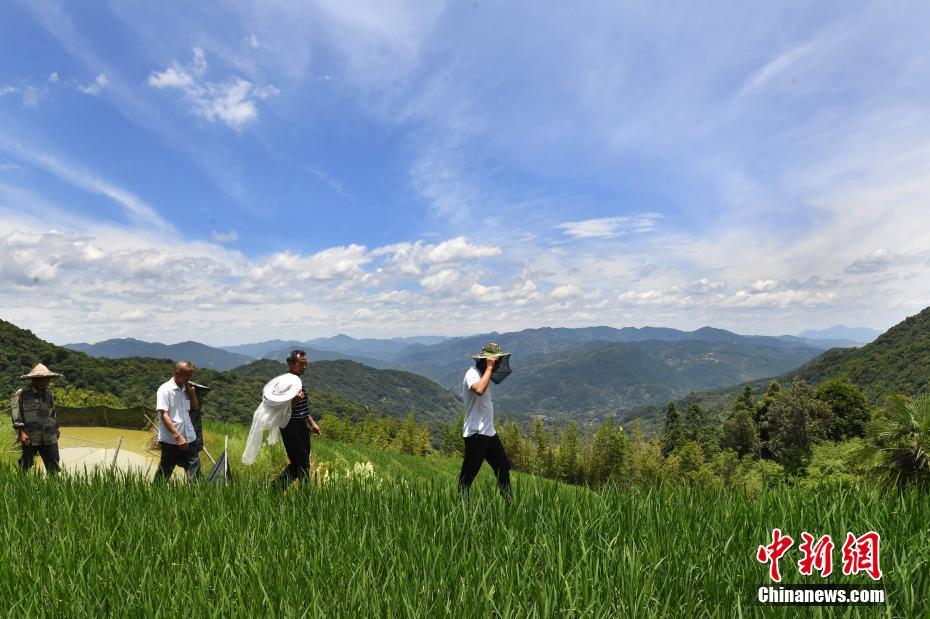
[(183, 372), (297, 362), (490, 351), (39, 377)]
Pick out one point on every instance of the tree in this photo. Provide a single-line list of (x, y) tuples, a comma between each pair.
[(512, 438), (896, 448), (645, 457), (608, 454), (745, 401), (739, 433), (75, 397), (673, 435), (450, 438), (795, 419), (849, 407), (697, 428), (690, 459), (761, 418), (545, 459), (568, 454)]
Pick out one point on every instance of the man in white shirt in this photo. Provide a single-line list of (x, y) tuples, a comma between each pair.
[(481, 439), (176, 433)]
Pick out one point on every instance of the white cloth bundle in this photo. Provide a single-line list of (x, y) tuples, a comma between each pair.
[(268, 417)]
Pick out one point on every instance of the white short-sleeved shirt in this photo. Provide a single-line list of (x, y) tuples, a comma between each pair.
[(174, 399), (479, 409)]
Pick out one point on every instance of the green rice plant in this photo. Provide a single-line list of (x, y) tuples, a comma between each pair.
[(397, 539)]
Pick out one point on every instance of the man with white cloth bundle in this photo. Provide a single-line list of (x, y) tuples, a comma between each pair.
[(285, 410)]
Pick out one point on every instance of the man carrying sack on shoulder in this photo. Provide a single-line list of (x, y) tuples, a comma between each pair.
[(34, 420), (481, 439)]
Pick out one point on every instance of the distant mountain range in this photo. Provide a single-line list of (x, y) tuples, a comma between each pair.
[(558, 371), (857, 336), (349, 347), (201, 355), (339, 387), (896, 362)]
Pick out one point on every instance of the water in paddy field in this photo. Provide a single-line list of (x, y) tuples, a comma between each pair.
[(88, 447)]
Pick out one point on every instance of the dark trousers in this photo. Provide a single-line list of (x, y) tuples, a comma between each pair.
[(479, 448), (49, 455), (172, 456), (296, 438)]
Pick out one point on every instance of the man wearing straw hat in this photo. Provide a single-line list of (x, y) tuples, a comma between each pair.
[(481, 439), (35, 422)]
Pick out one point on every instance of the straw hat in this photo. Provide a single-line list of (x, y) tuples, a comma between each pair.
[(491, 350), (40, 371)]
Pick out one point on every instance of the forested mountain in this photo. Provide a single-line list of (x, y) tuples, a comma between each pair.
[(338, 347), (234, 395), (611, 377), (383, 349), (394, 392), (445, 362), (201, 355), (257, 350), (315, 354), (897, 362)]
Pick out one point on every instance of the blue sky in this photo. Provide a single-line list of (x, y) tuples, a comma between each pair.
[(236, 172)]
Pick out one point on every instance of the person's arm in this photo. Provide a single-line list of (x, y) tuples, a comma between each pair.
[(482, 385), (19, 423), (166, 419), (314, 428)]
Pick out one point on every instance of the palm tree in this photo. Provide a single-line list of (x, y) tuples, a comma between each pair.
[(896, 448)]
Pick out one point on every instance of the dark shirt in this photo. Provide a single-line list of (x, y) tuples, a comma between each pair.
[(300, 408)]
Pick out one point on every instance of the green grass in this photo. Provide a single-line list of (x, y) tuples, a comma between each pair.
[(405, 544)]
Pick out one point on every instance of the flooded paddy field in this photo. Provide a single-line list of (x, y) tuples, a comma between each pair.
[(89, 447)]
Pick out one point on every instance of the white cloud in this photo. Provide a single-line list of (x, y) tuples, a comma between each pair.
[(705, 286), (412, 258), (252, 40), (53, 76), (610, 227), (775, 67), (565, 292), (100, 82), (446, 280), (172, 77), (232, 102), (136, 208)]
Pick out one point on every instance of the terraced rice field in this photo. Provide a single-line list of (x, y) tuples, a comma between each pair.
[(397, 539)]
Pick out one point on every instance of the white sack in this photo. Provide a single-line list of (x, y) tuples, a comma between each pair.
[(268, 417)]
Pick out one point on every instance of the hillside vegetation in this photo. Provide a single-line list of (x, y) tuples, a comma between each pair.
[(607, 378), (897, 362), (235, 394)]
